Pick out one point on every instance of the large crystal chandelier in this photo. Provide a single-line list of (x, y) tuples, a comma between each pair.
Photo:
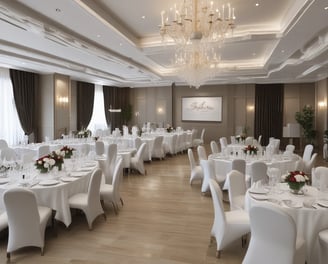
[(197, 28)]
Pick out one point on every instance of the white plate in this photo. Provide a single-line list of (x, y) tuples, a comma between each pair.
[(259, 197), (86, 169), (48, 182), (77, 174), (68, 179), (323, 203), (4, 180), (258, 191), (293, 204)]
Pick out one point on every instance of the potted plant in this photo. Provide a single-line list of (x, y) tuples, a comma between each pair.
[(306, 120)]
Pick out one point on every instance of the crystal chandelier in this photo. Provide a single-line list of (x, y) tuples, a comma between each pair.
[(197, 28)]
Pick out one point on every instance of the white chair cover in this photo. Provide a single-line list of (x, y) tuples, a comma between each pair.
[(196, 171), (111, 192), (89, 202), (201, 153), (158, 151), (307, 152), (137, 161), (26, 221), (214, 147), (237, 190), (3, 144), (199, 141), (259, 172), (43, 150), (227, 226), (274, 238), (8, 154), (320, 176), (323, 241), (100, 147)]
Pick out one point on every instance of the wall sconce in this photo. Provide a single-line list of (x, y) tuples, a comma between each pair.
[(112, 110), (250, 108), (62, 99), (322, 104), (160, 110)]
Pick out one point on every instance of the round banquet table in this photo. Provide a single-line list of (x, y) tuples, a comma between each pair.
[(223, 164), (54, 196), (309, 211)]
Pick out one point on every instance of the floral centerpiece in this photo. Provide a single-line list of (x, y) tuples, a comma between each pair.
[(46, 163), (240, 138), (296, 180), (250, 150), (68, 151), (84, 133), (169, 128)]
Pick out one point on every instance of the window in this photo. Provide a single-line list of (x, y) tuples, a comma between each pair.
[(10, 128), (98, 119)]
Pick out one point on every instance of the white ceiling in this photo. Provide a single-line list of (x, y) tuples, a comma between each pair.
[(108, 42)]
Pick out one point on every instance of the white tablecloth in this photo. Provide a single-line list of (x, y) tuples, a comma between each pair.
[(309, 220), (55, 196), (223, 165)]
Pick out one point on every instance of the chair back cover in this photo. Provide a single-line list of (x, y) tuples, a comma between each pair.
[(307, 152), (201, 153), (43, 150), (259, 172), (158, 151), (8, 154), (273, 237), (209, 173), (117, 179), (214, 147), (94, 187), (320, 177), (23, 219), (100, 147), (237, 188), (3, 144), (239, 165), (110, 163)]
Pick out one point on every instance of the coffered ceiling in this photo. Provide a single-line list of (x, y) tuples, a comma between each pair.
[(117, 43)]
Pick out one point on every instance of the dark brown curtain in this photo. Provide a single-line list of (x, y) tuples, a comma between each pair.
[(24, 85), (84, 99), (115, 98), (269, 107)]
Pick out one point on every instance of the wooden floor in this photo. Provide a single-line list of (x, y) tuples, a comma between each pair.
[(164, 220)]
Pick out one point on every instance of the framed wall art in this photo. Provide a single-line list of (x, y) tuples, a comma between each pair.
[(202, 109)]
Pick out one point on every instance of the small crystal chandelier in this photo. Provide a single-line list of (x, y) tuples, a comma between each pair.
[(197, 28)]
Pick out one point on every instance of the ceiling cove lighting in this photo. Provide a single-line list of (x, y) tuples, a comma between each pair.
[(198, 29)]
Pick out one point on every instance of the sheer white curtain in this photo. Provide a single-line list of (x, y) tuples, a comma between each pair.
[(98, 119), (10, 127)]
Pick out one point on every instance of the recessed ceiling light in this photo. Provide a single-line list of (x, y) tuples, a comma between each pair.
[(98, 36), (143, 17), (121, 44), (257, 4), (282, 51), (325, 8)]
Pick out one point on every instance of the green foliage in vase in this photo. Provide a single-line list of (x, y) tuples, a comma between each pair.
[(306, 120)]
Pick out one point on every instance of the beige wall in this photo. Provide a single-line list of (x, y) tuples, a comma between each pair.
[(321, 110), (151, 104)]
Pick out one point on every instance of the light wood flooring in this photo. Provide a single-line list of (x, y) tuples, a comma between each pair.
[(164, 220)]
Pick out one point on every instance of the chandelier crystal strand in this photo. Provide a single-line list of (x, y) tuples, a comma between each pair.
[(197, 28)]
